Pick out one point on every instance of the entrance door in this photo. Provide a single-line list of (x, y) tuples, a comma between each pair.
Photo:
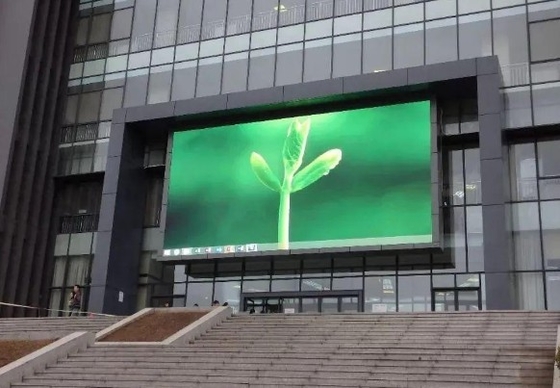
[(303, 302), (456, 299)]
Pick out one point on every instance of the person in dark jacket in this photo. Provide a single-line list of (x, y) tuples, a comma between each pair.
[(75, 302)]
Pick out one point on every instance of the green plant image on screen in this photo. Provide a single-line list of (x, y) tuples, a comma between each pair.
[(339, 179)]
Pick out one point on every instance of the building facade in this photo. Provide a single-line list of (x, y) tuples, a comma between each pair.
[(139, 70)]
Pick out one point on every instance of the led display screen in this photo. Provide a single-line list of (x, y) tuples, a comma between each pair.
[(357, 177)]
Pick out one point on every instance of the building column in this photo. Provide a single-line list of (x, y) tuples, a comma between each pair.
[(495, 188), (116, 262)]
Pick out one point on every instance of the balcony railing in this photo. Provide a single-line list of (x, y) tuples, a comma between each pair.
[(78, 224)]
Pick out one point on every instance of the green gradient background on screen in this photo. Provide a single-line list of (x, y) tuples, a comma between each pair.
[(381, 187)]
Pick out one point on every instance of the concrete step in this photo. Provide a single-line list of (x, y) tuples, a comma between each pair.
[(84, 380)]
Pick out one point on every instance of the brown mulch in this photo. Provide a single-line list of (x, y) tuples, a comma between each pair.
[(154, 327), (11, 350)]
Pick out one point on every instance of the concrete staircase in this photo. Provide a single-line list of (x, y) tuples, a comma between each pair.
[(447, 350), (46, 328)]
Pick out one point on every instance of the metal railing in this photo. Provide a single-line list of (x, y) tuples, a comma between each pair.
[(78, 224)]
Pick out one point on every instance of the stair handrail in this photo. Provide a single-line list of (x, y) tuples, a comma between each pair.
[(82, 313)]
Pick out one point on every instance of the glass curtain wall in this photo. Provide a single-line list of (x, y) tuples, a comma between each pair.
[(136, 52)]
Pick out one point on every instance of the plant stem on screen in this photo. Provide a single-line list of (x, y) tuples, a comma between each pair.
[(284, 216), (292, 158)]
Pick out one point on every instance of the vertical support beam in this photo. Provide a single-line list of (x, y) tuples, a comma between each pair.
[(120, 230), (494, 170)]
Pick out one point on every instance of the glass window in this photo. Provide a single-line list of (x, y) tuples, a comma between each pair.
[(409, 46), (143, 25), (289, 64), (545, 72), (316, 284), (213, 21), (549, 158), (159, 86), (89, 107), (550, 213), (228, 292), (317, 60), (544, 10), (475, 36), (261, 69), (506, 3), (211, 47), (94, 67), (209, 77), (100, 27), (414, 293), (116, 64), (409, 14), (526, 236), (239, 17), (523, 172), (455, 179), (468, 6), (546, 103), (76, 70), (469, 116), (100, 156), (200, 294), (161, 56), (136, 88), (237, 43), (378, 19), (291, 12), (265, 14), (440, 9), (190, 15), (455, 238), (186, 51), (82, 158), (235, 72), (166, 23), (111, 100), (119, 47), (441, 41), (318, 29), (319, 9), (78, 270), (517, 107), (71, 109), (380, 294), (377, 48), (552, 290), (256, 285), (347, 51), (511, 46), (347, 24), (81, 36), (530, 291), (184, 81), (290, 34), (349, 283), (122, 22), (475, 245), (472, 176), (345, 7), (285, 284), (263, 39), (138, 60), (544, 40)]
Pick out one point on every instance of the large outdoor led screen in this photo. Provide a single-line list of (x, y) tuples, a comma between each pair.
[(357, 177)]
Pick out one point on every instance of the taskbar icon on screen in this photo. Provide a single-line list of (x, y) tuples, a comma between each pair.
[(228, 249)]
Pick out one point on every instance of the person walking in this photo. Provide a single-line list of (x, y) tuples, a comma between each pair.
[(75, 302)]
